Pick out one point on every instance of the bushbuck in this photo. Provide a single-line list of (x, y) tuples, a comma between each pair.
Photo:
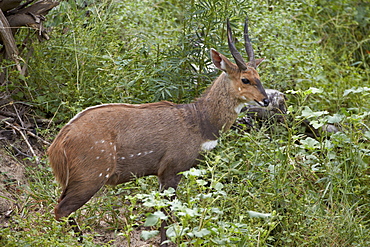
[(114, 143)]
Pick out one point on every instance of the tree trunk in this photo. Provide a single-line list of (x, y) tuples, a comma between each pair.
[(14, 15)]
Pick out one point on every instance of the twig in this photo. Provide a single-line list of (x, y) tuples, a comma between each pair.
[(19, 117), (25, 139), (8, 114), (38, 138), (20, 152), (27, 131)]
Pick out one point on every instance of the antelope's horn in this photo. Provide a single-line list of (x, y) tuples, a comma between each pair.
[(238, 58), (248, 45)]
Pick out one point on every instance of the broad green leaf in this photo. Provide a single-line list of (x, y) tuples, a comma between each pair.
[(218, 186), (203, 232), (310, 143), (316, 124), (255, 214), (336, 118), (308, 113), (314, 90), (356, 90), (151, 220), (367, 134), (148, 234), (160, 215)]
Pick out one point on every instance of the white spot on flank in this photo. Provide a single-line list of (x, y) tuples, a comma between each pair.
[(209, 145), (138, 154), (101, 174), (97, 157), (151, 151), (122, 158), (131, 155), (107, 175), (108, 169), (239, 108), (240, 89), (102, 150), (115, 147)]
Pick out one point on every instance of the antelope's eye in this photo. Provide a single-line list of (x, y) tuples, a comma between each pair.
[(246, 81)]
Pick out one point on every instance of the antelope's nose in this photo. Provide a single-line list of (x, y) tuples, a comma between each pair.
[(266, 102)]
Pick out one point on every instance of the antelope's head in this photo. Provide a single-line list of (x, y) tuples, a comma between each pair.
[(243, 76)]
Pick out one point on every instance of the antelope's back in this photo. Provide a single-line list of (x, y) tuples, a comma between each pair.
[(128, 139)]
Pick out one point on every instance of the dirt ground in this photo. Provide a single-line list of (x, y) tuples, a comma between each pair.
[(11, 175)]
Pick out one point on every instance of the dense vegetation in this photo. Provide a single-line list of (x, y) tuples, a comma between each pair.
[(272, 187)]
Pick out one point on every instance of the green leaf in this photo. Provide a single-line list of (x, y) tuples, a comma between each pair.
[(176, 230), (21, 77), (367, 134), (203, 232), (148, 234), (218, 186), (160, 215), (310, 143), (314, 90), (336, 118), (254, 214), (356, 90), (308, 113), (151, 220), (194, 172), (217, 211), (201, 182), (316, 124), (169, 192)]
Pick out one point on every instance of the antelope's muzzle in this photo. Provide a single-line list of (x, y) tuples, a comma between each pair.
[(266, 102)]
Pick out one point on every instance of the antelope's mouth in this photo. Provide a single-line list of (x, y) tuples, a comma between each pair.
[(258, 102), (264, 103)]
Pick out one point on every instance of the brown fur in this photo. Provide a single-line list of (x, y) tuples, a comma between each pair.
[(113, 143)]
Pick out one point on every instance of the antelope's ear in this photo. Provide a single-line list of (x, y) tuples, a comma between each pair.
[(220, 61), (259, 61)]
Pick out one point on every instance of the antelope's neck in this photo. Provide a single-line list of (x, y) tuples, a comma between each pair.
[(218, 107)]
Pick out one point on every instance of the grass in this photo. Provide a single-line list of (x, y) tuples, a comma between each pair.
[(269, 187)]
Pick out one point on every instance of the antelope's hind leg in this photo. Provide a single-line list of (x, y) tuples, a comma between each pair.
[(78, 191), (75, 196)]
